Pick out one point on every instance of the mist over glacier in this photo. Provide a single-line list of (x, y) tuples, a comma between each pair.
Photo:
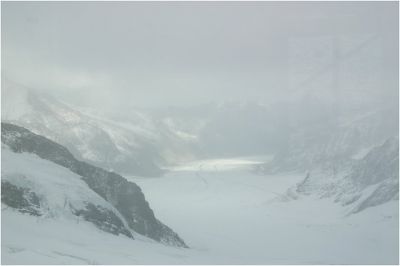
[(200, 133)]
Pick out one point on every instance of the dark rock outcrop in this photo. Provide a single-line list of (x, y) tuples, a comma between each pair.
[(104, 219), (125, 196), (21, 199)]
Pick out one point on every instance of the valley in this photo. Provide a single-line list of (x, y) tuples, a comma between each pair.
[(200, 133), (227, 215)]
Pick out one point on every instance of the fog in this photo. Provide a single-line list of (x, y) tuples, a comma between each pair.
[(200, 132), (161, 54)]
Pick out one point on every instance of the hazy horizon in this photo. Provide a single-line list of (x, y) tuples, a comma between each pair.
[(147, 54)]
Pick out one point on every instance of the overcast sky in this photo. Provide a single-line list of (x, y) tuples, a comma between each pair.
[(174, 53)]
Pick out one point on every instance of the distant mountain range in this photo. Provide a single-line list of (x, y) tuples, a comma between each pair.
[(134, 143), (321, 136)]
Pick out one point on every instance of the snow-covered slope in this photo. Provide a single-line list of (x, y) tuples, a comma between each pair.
[(131, 143), (41, 188), (104, 198), (37, 240), (377, 172), (360, 183), (227, 215), (243, 218)]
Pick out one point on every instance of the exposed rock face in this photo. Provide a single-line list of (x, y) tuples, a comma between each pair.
[(388, 190), (19, 198), (125, 196), (41, 188), (360, 184), (380, 164), (380, 168), (104, 219)]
